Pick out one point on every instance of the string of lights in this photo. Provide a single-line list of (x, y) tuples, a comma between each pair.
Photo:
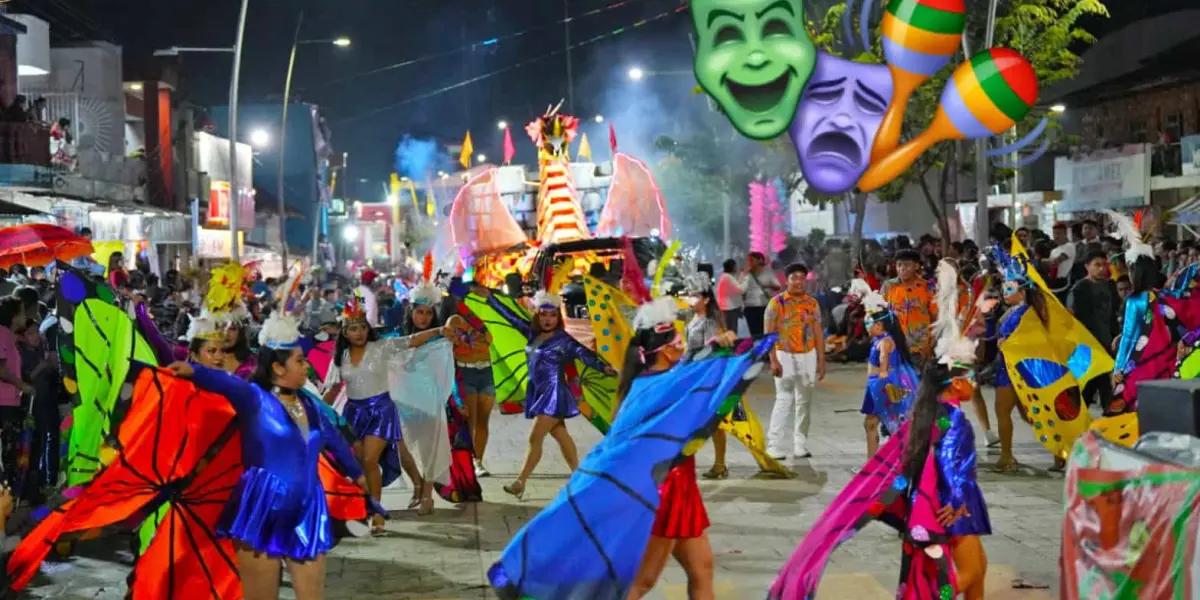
[(473, 45), (517, 65)]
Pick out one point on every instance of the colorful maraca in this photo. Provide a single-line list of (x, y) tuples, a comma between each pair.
[(919, 38), (985, 96)]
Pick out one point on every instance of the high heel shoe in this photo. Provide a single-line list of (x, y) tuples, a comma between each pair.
[(425, 508), (378, 527), (717, 472), (516, 488)]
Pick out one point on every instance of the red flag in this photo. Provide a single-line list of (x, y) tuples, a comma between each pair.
[(509, 149), (612, 138)]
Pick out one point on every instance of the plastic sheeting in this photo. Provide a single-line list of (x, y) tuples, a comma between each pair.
[(420, 382), (1130, 526)]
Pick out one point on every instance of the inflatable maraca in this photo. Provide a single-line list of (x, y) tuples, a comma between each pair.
[(985, 96), (919, 38)]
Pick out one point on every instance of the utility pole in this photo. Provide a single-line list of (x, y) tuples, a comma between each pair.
[(981, 165), (570, 76)]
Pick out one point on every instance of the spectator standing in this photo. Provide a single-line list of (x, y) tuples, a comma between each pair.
[(912, 301), (761, 284), (1094, 301), (797, 361), (729, 295)]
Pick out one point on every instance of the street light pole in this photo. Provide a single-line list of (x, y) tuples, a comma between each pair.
[(287, 99), (981, 165), (235, 195)]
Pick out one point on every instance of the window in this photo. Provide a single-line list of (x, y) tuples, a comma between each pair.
[(1173, 125), (1136, 133)]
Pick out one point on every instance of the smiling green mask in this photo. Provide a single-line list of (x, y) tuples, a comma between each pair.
[(753, 57)]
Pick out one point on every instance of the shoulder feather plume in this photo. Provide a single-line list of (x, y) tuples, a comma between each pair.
[(952, 346), (660, 311), (1128, 231), (874, 302)]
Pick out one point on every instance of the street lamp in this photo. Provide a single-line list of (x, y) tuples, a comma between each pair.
[(599, 118), (340, 42), (259, 138), (481, 158), (350, 233), (502, 125), (1058, 108), (636, 74)]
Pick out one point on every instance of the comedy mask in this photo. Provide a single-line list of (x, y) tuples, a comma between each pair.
[(839, 116), (753, 58)]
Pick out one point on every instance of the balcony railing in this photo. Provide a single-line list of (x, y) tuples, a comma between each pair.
[(25, 144)]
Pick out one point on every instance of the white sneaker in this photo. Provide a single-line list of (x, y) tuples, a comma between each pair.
[(481, 471)]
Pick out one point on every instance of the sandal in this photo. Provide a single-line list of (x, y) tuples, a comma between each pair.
[(1009, 467), (515, 488), (426, 507), (717, 472), (378, 526), (1060, 466)]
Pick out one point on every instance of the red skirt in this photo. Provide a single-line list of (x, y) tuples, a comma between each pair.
[(681, 513)]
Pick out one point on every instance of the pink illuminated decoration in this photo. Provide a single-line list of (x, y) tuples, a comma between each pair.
[(769, 217), (479, 221), (635, 206), (553, 133)]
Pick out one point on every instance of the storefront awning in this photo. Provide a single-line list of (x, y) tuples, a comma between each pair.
[(1187, 213), (1083, 206)]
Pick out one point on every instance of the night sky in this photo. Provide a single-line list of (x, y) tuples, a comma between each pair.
[(386, 32)]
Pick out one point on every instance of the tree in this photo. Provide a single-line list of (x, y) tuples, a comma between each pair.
[(1046, 32)]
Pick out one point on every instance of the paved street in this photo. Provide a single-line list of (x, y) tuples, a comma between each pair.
[(756, 523)]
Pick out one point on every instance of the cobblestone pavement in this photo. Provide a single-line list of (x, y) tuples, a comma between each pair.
[(755, 523)]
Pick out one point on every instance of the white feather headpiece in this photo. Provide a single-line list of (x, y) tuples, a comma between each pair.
[(544, 300), (425, 294), (657, 313), (205, 327), (280, 332), (1128, 231), (952, 346), (859, 287)]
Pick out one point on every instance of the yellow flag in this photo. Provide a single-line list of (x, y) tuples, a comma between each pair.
[(585, 149), (468, 149), (395, 184)]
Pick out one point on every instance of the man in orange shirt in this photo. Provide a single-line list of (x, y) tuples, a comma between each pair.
[(797, 361), (912, 301)]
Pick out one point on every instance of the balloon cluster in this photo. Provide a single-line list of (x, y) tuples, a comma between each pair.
[(986, 95)]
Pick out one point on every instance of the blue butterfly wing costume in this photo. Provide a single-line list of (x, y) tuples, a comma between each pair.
[(588, 542)]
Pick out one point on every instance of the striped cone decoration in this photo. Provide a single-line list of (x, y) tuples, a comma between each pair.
[(985, 96), (919, 38)]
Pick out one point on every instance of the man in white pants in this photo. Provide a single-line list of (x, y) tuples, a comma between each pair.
[(797, 362)]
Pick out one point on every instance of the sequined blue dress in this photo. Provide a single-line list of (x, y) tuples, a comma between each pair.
[(889, 398), (957, 483), (1008, 324), (278, 506), (547, 392)]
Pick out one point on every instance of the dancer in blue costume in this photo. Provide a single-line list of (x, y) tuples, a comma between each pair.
[(634, 502), (549, 401), (891, 378), (278, 510)]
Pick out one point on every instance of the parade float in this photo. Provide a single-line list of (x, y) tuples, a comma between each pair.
[(491, 242)]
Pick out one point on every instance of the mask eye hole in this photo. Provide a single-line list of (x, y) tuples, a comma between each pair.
[(728, 35), (776, 27)]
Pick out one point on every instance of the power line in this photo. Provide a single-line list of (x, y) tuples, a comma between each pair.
[(473, 45), (517, 65), (84, 19)]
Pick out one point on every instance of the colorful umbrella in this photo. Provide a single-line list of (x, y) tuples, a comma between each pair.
[(39, 244)]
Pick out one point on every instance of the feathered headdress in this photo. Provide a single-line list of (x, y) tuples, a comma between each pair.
[(287, 292), (874, 304), (658, 314), (354, 310), (1015, 268), (205, 327), (544, 300), (695, 281), (224, 301), (280, 332), (1128, 231), (426, 293), (953, 348)]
